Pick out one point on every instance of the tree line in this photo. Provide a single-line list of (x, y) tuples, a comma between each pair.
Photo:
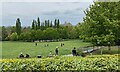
[(36, 25), (46, 30)]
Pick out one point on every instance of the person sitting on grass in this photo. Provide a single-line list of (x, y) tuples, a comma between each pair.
[(21, 55), (27, 56), (50, 54)]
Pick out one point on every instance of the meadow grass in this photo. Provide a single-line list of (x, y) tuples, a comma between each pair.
[(114, 50), (12, 49)]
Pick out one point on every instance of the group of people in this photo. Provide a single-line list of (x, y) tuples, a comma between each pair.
[(26, 56), (74, 53), (50, 54), (45, 44)]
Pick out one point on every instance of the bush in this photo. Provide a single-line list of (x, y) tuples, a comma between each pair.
[(13, 36), (97, 62)]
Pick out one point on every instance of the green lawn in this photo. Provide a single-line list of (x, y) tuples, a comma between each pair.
[(13, 49), (114, 50)]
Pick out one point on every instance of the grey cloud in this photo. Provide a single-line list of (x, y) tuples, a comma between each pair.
[(72, 12), (51, 13), (79, 9)]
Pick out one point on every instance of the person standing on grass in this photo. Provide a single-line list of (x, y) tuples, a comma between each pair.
[(50, 54), (35, 44), (56, 50), (74, 52)]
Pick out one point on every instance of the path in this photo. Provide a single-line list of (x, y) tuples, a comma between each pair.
[(89, 50)]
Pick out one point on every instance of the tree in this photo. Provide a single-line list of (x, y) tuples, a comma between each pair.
[(33, 25), (48, 23), (36, 24), (73, 33), (55, 23), (77, 29), (39, 35), (51, 24), (50, 34), (38, 21), (26, 29), (4, 33), (18, 26), (33, 35), (58, 23), (101, 24), (25, 36), (14, 37), (42, 26), (62, 32)]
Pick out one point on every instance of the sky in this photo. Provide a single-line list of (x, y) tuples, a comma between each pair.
[(27, 11)]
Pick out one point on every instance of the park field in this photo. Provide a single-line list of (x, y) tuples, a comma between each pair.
[(12, 49)]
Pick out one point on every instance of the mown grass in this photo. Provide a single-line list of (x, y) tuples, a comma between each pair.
[(12, 49), (114, 50)]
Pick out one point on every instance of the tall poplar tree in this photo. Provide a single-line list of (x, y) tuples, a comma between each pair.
[(36, 25), (48, 23), (38, 21), (55, 23), (58, 23), (33, 25), (18, 26), (45, 24), (51, 24), (42, 26)]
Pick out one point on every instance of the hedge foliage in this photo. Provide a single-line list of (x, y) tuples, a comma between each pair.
[(95, 62)]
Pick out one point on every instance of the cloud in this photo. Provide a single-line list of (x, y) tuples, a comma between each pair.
[(51, 13), (0, 14), (79, 9), (27, 11), (46, 0)]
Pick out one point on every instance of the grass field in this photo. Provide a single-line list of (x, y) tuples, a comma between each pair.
[(13, 49), (114, 50)]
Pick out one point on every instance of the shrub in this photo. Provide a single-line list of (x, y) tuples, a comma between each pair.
[(97, 62), (14, 37)]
